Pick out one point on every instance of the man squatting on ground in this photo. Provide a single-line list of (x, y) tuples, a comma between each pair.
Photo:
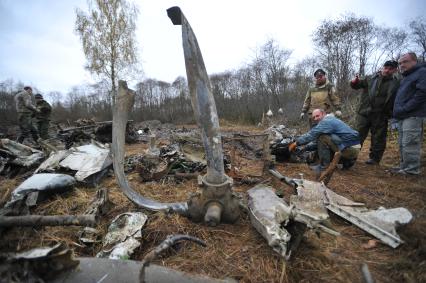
[(332, 135), (375, 108), (321, 96), (26, 109), (410, 111)]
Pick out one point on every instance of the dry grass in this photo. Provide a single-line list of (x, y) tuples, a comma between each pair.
[(238, 251)]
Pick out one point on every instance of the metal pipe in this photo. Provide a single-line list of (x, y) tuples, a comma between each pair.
[(202, 99), (123, 105)]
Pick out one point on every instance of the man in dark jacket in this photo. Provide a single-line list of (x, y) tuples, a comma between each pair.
[(332, 135), (42, 116), (410, 110), (375, 107)]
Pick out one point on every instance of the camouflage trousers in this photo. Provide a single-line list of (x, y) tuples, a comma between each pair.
[(377, 124), (327, 148), (26, 127), (43, 128)]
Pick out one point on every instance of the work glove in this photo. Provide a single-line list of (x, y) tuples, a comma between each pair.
[(356, 80), (338, 114), (302, 115), (292, 147)]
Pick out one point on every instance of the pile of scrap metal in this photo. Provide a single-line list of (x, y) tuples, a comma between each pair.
[(281, 137), (16, 158), (185, 158), (87, 131)]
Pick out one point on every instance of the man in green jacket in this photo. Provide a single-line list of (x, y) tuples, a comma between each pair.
[(42, 116), (321, 96), (375, 108), (26, 109)]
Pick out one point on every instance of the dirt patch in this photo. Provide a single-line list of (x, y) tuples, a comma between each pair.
[(238, 251)]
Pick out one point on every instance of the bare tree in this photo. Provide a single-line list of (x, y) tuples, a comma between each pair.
[(339, 42), (391, 42), (365, 37), (107, 33), (418, 35)]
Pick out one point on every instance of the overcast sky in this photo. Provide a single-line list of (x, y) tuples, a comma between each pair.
[(38, 45)]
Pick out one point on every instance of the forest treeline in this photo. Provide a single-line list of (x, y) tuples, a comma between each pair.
[(343, 47)]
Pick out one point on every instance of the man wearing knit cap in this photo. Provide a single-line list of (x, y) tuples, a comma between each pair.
[(42, 116), (375, 108), (26, 109), (321, 96)]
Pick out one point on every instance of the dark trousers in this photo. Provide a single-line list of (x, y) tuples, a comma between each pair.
[(26, 127), (377, 124), (327, 148)]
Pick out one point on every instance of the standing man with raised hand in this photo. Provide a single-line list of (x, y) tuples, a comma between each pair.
[(410, 111), (376, 107), (321, 96), (26, 109)]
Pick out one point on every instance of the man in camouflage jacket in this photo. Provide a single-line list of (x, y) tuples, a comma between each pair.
[(375, 107), (25, 109), (42, 116), (321, 96)]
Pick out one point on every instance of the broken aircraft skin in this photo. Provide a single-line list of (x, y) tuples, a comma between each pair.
[(380, 223), (90, 162), (14, 156), (271, 215), (34, 189)]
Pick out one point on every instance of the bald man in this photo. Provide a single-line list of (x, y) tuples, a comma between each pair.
[(332, 135)]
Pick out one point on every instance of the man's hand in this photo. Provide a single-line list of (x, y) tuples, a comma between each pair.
[(356, 80), (292, 146), (302, 115), (338, 114)]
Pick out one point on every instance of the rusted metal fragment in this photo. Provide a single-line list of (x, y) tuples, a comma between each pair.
[(123, 235)]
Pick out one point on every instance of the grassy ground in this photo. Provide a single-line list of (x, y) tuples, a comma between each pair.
[(238, 251)]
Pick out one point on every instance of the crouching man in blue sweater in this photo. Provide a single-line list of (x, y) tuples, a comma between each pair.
[(332, 135)]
